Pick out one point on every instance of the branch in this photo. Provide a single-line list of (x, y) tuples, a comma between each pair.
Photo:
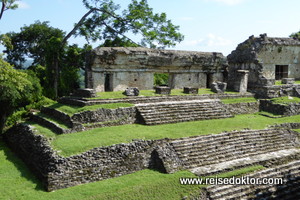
[(72, 32), (76, 26), (2, 9), (120, 33)]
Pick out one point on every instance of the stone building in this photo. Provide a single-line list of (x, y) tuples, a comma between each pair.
[(116, 68), (265, 59)]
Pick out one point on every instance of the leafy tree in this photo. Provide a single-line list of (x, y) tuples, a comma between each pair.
[(17, 89), (30, 43), (6, 5), (295, 35)]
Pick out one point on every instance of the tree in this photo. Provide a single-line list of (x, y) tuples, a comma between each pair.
[(17, 89), (6, 5), (31, 42), (295, 35)]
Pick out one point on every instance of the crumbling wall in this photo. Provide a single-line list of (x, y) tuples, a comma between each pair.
[(135, 67), (56, 172)]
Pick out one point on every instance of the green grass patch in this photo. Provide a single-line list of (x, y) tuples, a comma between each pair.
[(150, 93), (239, 100), (285, 100), (54, 120), (279, 82), (71, 110), (70, 144)]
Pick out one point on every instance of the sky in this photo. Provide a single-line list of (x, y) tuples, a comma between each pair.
[(208, 25)]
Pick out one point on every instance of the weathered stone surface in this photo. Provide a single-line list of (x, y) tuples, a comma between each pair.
[(280, 109), (288, 81), (190, 90), (261, 56), (163, 90), (132, 92), (116, 68), (242, 108), (218, 87), (85, 92)]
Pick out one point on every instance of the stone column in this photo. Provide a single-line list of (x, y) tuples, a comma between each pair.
[(243, 74)]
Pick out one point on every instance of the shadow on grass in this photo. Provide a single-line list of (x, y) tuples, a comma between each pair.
[(20, 166)]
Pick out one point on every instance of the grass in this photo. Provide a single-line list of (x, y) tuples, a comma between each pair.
[(239, 100), (119, 94), (285, 100), (18, 183), (71, 144), (279, 82), (71, 110), (54, 120)]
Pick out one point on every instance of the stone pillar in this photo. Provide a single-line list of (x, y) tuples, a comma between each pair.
[(243, 74)]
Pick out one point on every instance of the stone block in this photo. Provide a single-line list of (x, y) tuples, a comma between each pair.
[(190, 90), (163, 90), (85, 92), (132, 91), (219, 87), (288, 81)]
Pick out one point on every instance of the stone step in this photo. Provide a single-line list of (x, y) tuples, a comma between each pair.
[(43, 121), (216, 137), (231, 153), (236, 146), (220, 136), (186, 117), (240, 162), (181, 111), (240, 191), (223, 142), (198, 161)]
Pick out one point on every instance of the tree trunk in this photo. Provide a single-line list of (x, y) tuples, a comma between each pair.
[(56, 76), (3, 118)]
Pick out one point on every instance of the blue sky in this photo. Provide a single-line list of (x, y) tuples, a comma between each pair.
[(208, 25)]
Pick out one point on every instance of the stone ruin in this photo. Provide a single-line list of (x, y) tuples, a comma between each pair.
[(117, 68), (110, 69)]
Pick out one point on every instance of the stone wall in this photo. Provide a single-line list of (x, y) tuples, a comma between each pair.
[(116, 68), (242, 108), (280, 109), (275, 91), (112, 116), (137, 100), (101, 163)]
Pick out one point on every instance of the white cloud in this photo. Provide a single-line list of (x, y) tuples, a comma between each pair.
[(210, 40), (22, 5), (229, 2)]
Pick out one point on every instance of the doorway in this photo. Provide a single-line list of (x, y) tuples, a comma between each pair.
[(108, 83), (209, 79), (281, 71)]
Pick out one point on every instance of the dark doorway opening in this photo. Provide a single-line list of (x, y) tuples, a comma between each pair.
[(108, 83), (209, 80), (281, 71)]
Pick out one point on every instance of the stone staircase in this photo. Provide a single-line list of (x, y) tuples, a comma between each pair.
[(290, 189), (181, 111), (211, 154)]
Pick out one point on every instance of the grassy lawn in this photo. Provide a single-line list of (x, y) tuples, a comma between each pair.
[(285, 100), (71, 110), (279, 82), (239, 100), (71, 144), (18, 183), (119, 94)]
